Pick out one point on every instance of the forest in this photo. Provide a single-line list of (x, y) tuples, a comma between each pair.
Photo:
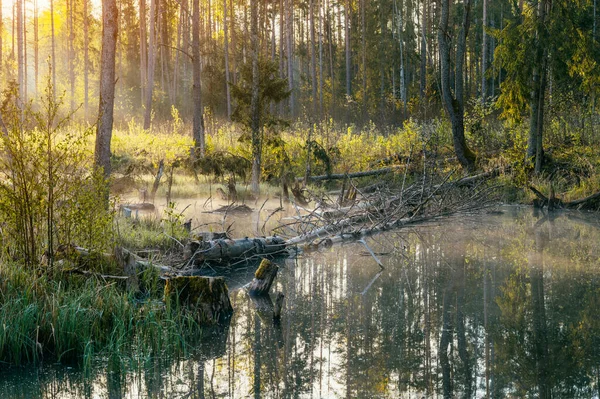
[(161, 161)]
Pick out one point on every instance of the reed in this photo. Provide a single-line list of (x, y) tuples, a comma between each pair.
[(75, 320)]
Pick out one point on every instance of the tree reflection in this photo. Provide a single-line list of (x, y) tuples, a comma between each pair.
[(509, 306)]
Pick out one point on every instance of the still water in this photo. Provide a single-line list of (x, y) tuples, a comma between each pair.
[(502, 304)]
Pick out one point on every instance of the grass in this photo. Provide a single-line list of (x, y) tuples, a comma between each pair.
[(72, 319)]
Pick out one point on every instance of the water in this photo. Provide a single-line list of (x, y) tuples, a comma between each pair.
[(487, 305)]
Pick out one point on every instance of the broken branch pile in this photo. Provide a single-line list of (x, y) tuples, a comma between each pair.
[(388, 207)]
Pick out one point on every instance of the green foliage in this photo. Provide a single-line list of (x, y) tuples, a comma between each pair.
[(272, 89), (50, 194)]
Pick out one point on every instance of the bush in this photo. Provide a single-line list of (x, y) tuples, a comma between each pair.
[(50, 193)]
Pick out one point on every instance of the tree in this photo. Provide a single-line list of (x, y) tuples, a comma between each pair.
[(110, 29), (484, 53), (254, 102), (454, 102), (198, 123), (258, 87), (151, 64)]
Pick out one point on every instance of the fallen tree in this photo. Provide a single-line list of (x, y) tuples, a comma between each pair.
[(341, 176), (389, 207), (225, 250), (591, 202)]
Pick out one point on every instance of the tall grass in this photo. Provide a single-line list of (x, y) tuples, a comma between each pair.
[(74, 320)]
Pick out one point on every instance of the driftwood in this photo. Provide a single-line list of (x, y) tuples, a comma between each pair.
[(263, 278), (209, 296), (233, 209), (552, 202), (220, 250), (389, 207)]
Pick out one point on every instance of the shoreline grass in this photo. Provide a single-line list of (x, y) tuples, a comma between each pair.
[(73, 320)]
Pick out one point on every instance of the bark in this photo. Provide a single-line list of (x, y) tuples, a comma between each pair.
[(347, 44), (151, 65), (423, 87), (20, 53), (110, 30), (313, 58), (143, 50), (86, 57), (227, 249), (484, 55), (255, 111), (290, 54), (454, 102), (226, 49), (71, 54), (535, 150), (208, 295), (198, 123), (263, 278)]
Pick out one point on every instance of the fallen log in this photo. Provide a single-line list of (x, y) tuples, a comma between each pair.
[(263, 278), (220, 250), (591, 202), (340, 176), (209, 296)]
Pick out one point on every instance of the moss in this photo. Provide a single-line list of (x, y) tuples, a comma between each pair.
[(264, 269)]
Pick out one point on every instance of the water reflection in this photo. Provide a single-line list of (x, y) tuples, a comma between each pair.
[(485, 306)]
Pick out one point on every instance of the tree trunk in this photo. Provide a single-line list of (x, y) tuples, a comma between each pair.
[(198, 124), (454, 103), (53, 52), (226, 249), (36, 44), (255, 111), (263, 278), (86, 58), (423, 87), (20, 59), (290, 54), (313, 59), (151, 63), (484, 54), (347, 44), (208, 295), (535, 150), (110, 30), (226, 49), (143, 51), (71, 57)]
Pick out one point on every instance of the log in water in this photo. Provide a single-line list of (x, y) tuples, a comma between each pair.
[(227, 249)]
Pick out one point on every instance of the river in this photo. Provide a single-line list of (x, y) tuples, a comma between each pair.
[(488, 305)]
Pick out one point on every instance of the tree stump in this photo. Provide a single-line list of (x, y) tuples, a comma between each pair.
[(208, 295), (263, 278)]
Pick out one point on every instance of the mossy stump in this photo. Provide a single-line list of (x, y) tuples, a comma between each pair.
[(263, 278), (209, 296)]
